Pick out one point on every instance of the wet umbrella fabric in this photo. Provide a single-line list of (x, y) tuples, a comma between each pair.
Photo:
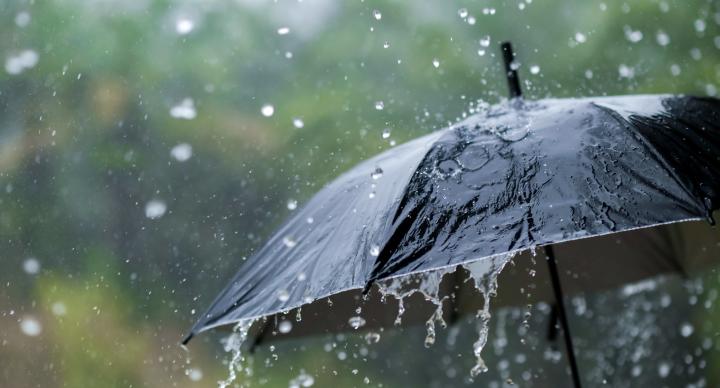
[(516, 176)]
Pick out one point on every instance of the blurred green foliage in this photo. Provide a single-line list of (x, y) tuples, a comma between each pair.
[(86, 136)]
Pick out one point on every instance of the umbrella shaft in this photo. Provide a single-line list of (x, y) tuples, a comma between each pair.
[(557, 290)]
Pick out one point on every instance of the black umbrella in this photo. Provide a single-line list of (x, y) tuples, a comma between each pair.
[(523, 174)]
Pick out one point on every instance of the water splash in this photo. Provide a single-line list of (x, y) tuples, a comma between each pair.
[(484, 274), (428, 284), (233, 345)]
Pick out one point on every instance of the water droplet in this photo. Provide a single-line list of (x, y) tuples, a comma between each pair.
[(155, 209), (30, 326), (626, 71), (588, 74), (372, 338), (379, 105), (435, 63), (303, 380), (194, 374), (377, 173), (386, 44), (376, 14), (22, 19), (481, 52), (181, 152), (292, 204), (283, 296), (471, 20), (285, 327), (675, 70), (283, 30), (310, 220), (184, 110), (58, 309), (374, 250), (289, 242), (24, 60), (356, 322), (386, 133), (633, 36), (580, 37), (686, 329), (663, 369), (184, 26), (463, 12), (534, 69), (485, 41), (297, 123), (699, 25), (267, 110), (662, 38), (31, 266)]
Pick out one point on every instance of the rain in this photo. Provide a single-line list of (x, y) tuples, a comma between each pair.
[(347, 194)]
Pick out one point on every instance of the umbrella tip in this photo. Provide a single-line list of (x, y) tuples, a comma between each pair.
[(187, 339), (511, 69)]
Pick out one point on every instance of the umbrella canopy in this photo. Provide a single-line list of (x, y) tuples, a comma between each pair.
[(509, 178)]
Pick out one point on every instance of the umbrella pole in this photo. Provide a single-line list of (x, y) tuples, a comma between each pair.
[(557, 290)]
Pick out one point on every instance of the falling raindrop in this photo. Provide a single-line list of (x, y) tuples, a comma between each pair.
[(285, 327), (626, 71), (633, 36), (184, 110), (302, 380), (194, 374), (662, 38), (181, 152), (184, 26), (31, 266), (30, 326), (292, 204), (372, 338), (686, 329), (155, 209), (267, 110), (24, 60), (22, 19), (356, 322), (58, 309)]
